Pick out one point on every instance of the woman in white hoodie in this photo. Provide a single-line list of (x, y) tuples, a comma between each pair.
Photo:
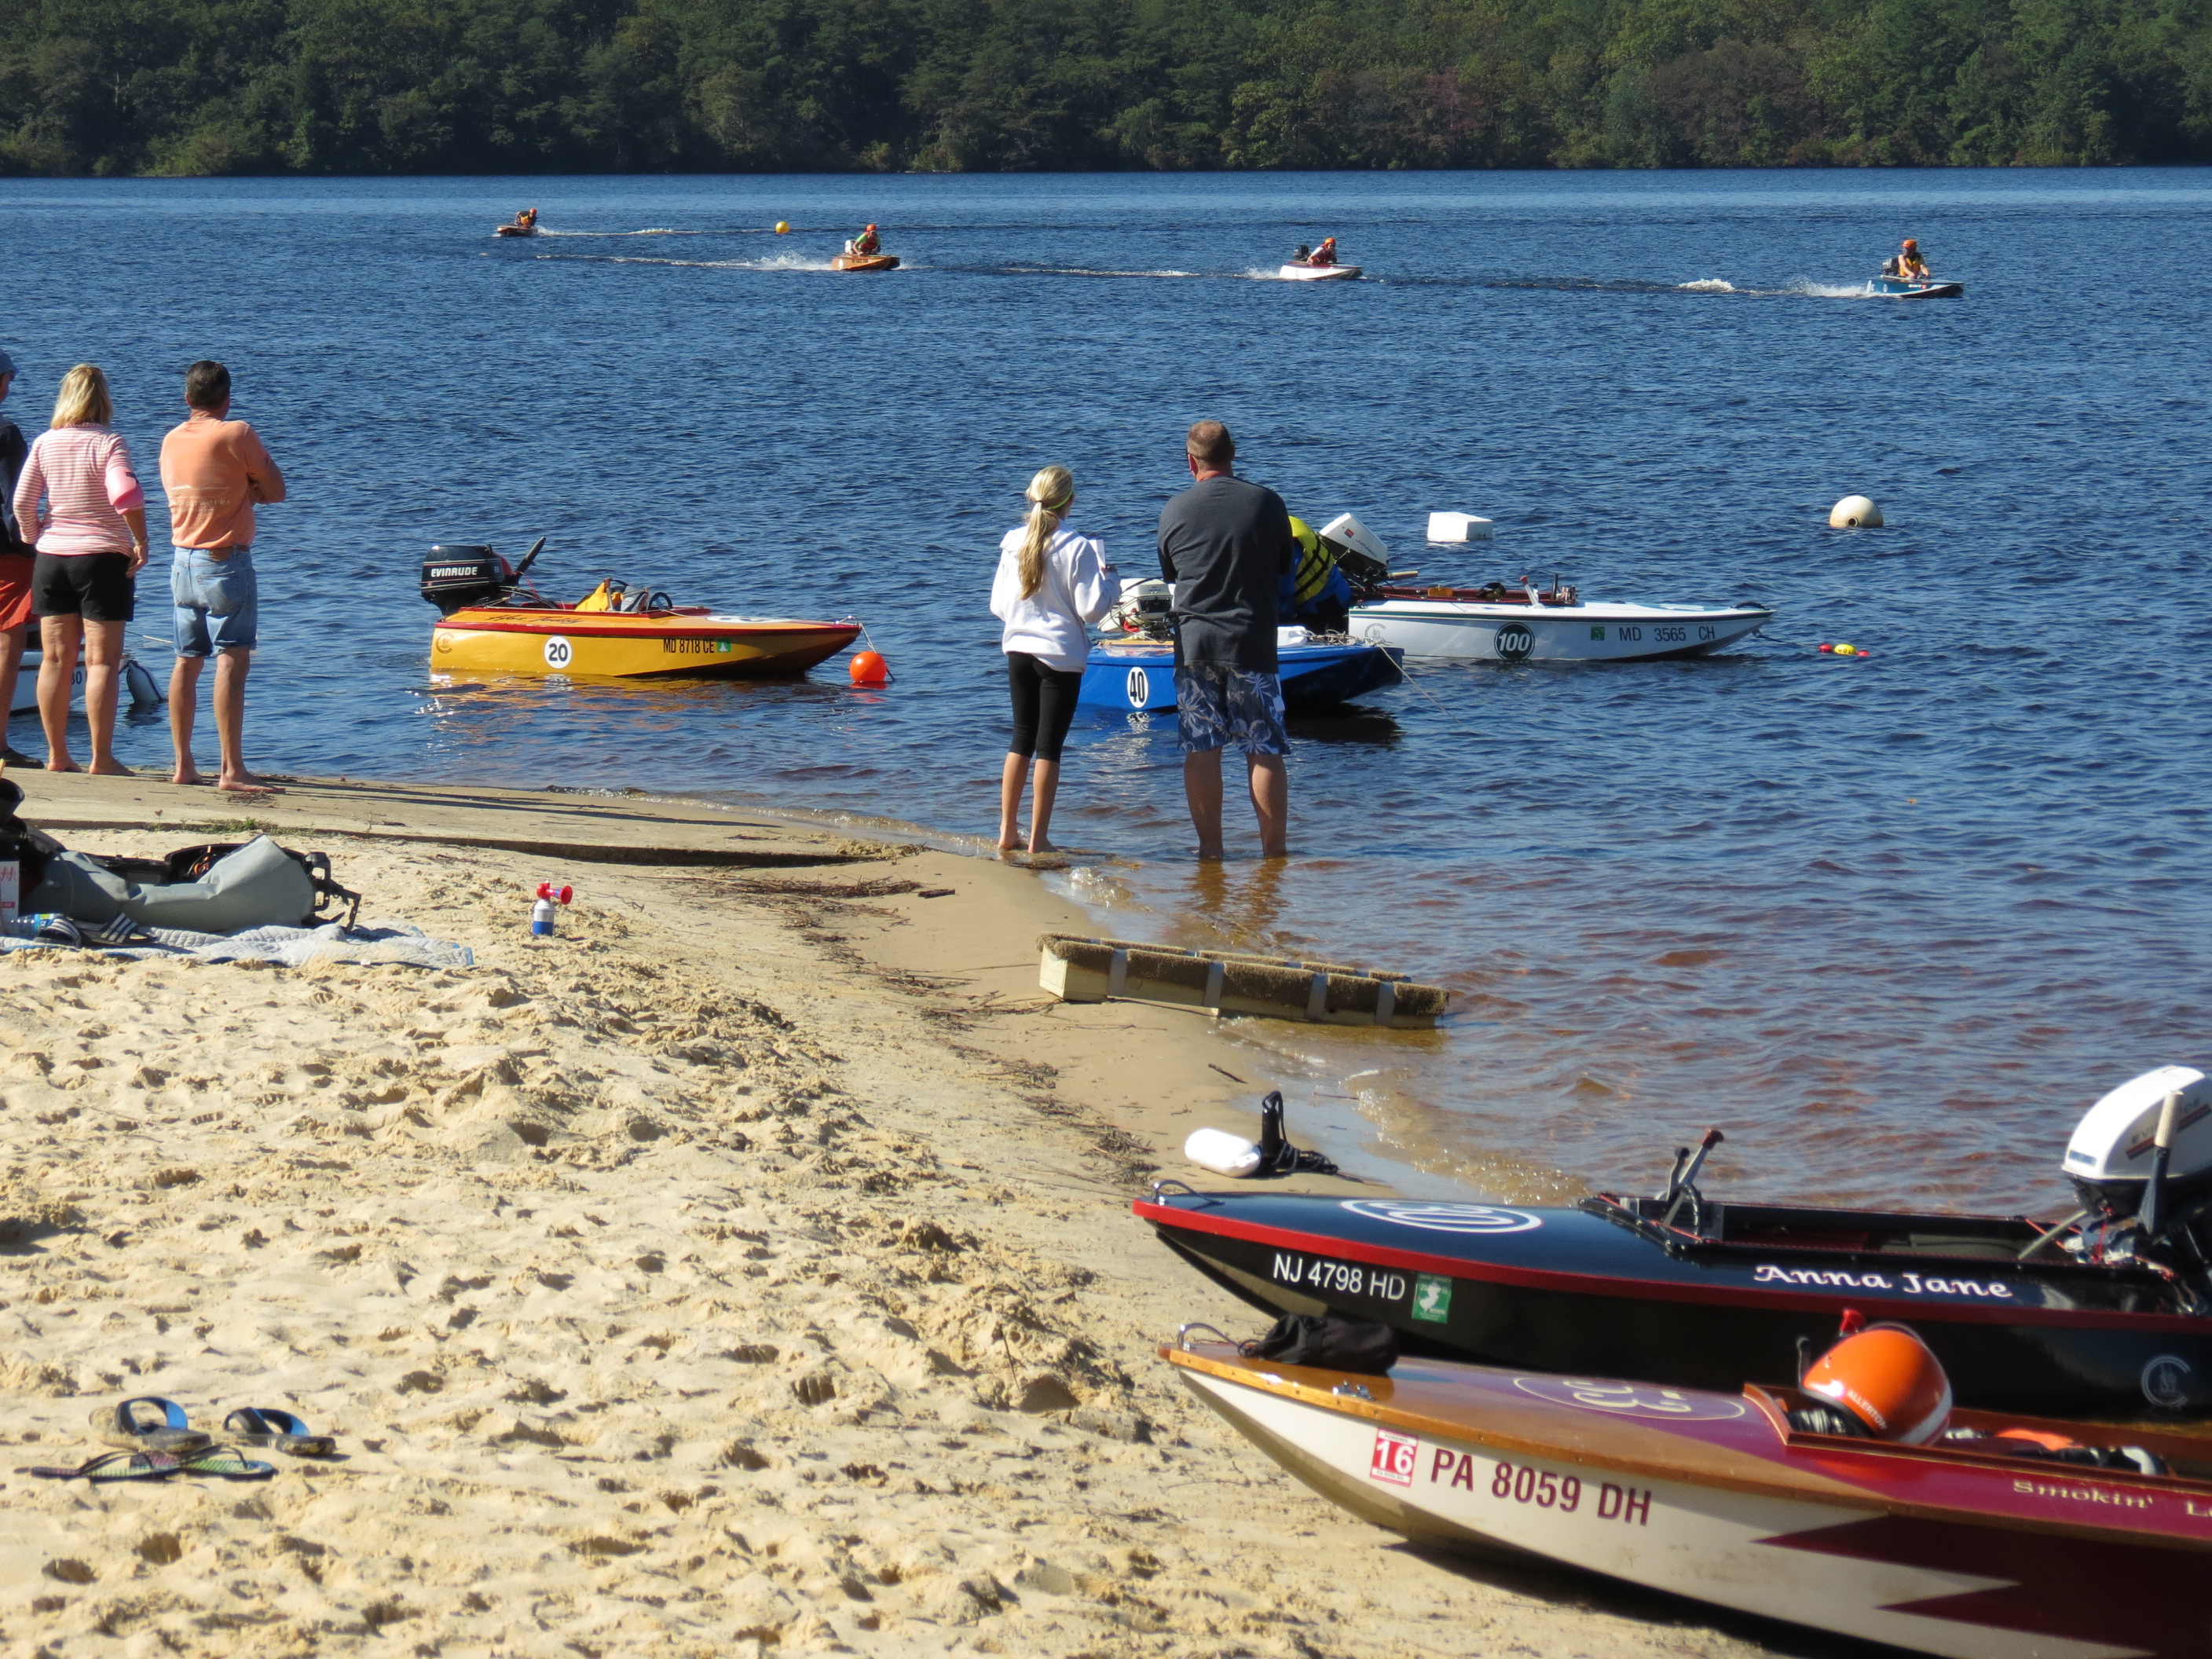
[(1051, 585)]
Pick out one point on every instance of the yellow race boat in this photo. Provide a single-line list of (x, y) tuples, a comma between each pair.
[(491, 623)]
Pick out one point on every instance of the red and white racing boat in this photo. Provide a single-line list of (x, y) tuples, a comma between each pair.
[(1952, 1548)]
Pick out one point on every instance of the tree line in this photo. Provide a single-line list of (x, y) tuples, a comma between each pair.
[(223, 87)]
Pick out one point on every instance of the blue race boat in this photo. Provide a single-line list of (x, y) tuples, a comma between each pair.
[(1904, 287), (1139, 673)]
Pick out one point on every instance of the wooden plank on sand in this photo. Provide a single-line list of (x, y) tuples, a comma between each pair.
[(1078, 969)]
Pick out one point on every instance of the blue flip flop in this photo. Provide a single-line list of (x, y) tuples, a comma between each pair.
[(279, 1431), (113, 1465), (121, 1425)]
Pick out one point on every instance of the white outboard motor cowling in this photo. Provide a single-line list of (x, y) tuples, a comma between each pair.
[(1360, 551), (2109, 1159)]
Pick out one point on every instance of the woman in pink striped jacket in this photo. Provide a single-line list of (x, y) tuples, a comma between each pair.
[(91, 537)]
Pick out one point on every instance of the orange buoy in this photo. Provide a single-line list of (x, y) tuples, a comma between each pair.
[(868, 668)]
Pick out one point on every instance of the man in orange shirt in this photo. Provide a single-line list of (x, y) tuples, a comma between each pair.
[(214, 469)]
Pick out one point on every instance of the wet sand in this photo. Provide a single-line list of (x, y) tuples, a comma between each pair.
[(747, 1270)]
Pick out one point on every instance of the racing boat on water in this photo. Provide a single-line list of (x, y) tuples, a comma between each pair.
[(864, 262), (1525, 622), (1906, 288), (1971, 1547), (1529, 623), (2107, 1313), (138, 686), (488, 625), (1296, 272), (1138, 674)]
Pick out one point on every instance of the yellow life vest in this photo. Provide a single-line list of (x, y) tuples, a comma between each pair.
[(1315, 564)]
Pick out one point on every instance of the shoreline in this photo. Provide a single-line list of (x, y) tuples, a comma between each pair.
[(746, 1270)]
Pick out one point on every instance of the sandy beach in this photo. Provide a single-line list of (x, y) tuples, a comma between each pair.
[(747, 1270)]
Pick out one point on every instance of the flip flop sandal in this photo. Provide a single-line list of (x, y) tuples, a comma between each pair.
[(225, 1460), (113, 1465), (279, 1431), (121, 1425)]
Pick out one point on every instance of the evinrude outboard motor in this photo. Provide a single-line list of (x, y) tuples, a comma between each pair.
[(455, 578), (1359, 552), (2132, 1155)]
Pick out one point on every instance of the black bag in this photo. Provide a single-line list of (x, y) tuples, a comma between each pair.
[(1329, 1343)]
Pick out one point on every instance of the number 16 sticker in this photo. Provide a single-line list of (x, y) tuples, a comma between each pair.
[(1395, 1455)]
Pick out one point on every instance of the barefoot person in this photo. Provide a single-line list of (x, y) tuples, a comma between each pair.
[(1051, 583), (1226, 544), (91, 538), (17, 559), (214, 469)]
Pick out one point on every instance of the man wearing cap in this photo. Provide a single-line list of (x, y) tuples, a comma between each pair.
[(17, 558), (1226, 545), (214, 469)]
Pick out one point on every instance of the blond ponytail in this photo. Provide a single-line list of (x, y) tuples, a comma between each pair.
[(1051, 493)]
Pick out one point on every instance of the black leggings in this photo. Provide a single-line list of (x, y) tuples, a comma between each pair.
[(1044, 705)]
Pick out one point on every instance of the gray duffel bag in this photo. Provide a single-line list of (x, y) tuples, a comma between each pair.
[(258, 885)]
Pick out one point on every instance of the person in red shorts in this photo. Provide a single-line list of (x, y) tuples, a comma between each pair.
[(17, 558)]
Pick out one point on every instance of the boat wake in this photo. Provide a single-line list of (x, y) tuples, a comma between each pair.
[(1082, 270), (1798, 288), (774, 263), (656, 230)]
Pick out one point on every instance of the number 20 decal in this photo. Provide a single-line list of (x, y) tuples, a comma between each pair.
[(557, 653)]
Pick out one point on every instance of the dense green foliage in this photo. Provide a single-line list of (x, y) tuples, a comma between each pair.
[(496, 86)]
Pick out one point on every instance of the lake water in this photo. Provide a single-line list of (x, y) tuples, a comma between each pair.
[(1893, 923)]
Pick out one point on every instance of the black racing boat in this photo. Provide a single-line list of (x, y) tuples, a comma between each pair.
[(2107, 1313)]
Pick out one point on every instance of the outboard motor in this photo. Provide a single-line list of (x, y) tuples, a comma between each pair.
[(455, 578), (2119, 1169), (1359, 552)]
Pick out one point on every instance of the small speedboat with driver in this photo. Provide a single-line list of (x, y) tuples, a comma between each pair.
[(1519, 621), (2107, 1312), (1967, 1534), (492, 621), (1910, 288), (1319, 266)]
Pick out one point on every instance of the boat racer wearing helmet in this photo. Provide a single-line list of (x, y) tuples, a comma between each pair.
[(1907, 263), (868, 242)]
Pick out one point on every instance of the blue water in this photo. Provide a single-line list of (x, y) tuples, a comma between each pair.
[(1893, 923)]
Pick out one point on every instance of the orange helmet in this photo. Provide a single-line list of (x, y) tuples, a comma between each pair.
[(1885, 1376), (871, 226), (1909, 243)]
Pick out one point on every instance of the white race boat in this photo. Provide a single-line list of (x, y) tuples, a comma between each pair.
[(1530, 623), (138, 686), (1295, 272), (1969, 1547)]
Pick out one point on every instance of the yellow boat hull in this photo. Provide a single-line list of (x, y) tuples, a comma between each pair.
[(613, 645)]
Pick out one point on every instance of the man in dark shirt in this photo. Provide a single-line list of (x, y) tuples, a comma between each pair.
[(1225, 544)]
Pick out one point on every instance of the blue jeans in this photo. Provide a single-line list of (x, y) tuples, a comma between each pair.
[(218, 606)]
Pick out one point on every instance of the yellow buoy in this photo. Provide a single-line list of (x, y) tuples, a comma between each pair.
[(782, 229)]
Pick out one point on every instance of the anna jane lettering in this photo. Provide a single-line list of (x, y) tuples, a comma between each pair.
[(1914, 1284)]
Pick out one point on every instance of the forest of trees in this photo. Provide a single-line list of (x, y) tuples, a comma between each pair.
[(186, 87)]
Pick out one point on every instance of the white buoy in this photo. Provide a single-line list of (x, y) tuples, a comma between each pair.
[(1855, 512), (1221, 1151), (1458, 527)]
